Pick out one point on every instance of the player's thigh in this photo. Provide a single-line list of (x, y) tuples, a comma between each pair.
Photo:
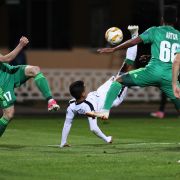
[(140, 77), (20, 76), (8, 112), (104, 87), (8, 97)]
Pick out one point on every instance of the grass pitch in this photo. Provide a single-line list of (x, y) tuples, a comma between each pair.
[(143, 149)]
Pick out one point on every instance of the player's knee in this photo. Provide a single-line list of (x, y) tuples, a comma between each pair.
[(93, 129), (35, 70), (9, 114)]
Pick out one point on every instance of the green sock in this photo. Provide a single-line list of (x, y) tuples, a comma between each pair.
[(112, 95), (43, 85), (3, 124)]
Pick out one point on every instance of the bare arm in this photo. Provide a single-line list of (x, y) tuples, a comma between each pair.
[(175, 73), (176, 68), (9, 57), (125, 45)]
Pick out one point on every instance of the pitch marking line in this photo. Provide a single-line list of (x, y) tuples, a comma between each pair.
[(153, 143), (134, 144), (57, 145)]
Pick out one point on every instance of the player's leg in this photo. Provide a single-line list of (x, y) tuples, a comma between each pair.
[(166, 87), (161, 112), (96, 130), (8, 114), (140, 77), (65, 132), (121, 96), (42, 84), (104, 87), (131, 52)]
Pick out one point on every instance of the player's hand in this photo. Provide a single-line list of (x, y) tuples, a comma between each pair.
[(105, 50), (144, 58), (176, 91), (23, 41)]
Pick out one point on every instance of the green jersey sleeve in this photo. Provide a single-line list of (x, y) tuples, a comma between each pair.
[(148, 35)]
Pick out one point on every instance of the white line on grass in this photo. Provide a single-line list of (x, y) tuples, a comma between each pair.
[(153, 143), (133, 144), (56, 145)]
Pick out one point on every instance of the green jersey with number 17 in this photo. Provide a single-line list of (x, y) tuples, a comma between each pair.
[(164, 42)]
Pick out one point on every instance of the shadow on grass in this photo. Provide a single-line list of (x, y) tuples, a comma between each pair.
[(11, 146)]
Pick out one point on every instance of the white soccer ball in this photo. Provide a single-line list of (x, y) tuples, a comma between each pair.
[(114, 35)]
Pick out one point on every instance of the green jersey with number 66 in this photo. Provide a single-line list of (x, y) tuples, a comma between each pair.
[(165, 40)]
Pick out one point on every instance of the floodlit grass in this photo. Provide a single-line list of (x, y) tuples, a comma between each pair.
[(143, 148)]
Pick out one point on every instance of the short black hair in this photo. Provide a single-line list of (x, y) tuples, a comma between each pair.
[(170, 14), (76, 89)]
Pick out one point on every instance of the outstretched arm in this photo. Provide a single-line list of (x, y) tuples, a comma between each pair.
[(9, 57), (125, 45), (175, 71), (67, 127)]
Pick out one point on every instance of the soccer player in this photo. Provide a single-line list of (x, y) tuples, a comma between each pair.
[(14, 76), (83, 103), (94, 101), (164, 41), (176, 68)]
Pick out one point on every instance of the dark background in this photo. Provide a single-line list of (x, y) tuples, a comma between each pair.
[(63, 24)]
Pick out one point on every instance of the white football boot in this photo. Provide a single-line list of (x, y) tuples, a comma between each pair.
[(133, 30)]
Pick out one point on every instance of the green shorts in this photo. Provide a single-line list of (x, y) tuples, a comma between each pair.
[(12, 79), (148, 77)]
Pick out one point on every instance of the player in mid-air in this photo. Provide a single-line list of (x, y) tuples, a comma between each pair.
[(14, 76), (164, 41), (94, 101), (176, 69)]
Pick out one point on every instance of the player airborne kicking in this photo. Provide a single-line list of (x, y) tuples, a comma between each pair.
[(176, 69), (14, 76), (164, 41), (94, 101)]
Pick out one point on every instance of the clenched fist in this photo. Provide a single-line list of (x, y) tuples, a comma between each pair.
[(23, 41)]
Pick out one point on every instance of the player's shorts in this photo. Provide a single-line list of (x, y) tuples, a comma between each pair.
[(148, 77), (12, 79)]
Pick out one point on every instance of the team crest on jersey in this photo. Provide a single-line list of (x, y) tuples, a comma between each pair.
[(81, 111)]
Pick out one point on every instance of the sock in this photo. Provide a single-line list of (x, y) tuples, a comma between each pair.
[(112, 95), (65, 132), (122, 94), (3, 124), (43, 85), (95, 129)]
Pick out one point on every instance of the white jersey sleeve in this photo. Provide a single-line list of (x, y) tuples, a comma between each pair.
[(70, 113)]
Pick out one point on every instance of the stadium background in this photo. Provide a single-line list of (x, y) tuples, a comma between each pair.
[(64, 36)]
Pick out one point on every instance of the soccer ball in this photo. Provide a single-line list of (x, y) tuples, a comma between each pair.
[(114, 35)]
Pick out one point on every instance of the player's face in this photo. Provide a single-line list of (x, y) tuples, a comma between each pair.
[(84, 94)]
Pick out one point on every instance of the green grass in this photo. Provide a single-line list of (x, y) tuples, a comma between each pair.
[(143, 148)]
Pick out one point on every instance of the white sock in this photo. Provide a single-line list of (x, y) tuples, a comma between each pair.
[(96, 130)]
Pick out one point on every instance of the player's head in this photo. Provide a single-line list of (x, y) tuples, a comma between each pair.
[(77, 90), (169, 15)]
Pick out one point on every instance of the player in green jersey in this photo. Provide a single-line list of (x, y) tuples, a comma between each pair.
[(176, 69), (12, 77), (164, 41)]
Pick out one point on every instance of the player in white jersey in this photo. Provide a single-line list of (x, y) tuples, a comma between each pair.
[(94, 101)]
